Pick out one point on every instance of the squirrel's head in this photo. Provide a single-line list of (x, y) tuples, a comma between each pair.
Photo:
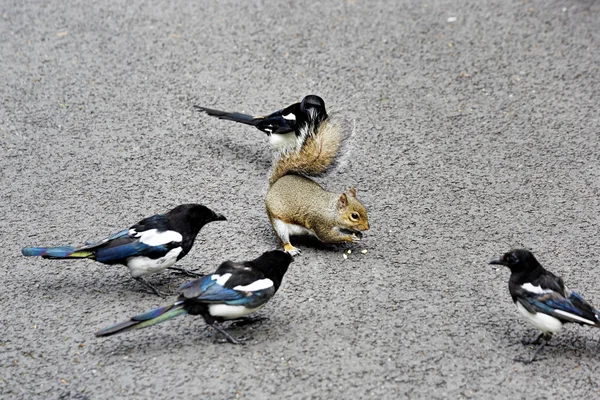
[(353, 213)]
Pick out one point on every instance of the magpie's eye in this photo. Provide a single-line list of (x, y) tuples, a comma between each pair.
[(354, 216), (511, 259)]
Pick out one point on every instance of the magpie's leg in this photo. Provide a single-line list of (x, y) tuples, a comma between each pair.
[(187, 272), (535, 353), (537, 340), (546, 338), (246, 321), (229, 338), (150, 286)]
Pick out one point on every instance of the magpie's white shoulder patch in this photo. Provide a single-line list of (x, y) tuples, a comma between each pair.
[(535, 289), (222, 279), (153, 237), (260, 284), (290, 117)]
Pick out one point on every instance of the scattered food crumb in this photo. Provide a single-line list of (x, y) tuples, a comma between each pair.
[(451, 19), (345, 256), (63, 33), (349, 251), (364, 251)]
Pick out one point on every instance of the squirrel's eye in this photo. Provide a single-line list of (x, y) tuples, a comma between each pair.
[(354, 216)]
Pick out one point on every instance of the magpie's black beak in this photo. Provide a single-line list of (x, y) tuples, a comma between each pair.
[(499, 261), (220, 217)]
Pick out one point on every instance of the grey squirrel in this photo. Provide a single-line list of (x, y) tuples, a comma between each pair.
[(297, 205)]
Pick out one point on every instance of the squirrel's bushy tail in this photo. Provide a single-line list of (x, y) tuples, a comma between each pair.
[(314, 157), (149, 318)]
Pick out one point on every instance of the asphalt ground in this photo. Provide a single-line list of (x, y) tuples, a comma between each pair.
[(475, 131)]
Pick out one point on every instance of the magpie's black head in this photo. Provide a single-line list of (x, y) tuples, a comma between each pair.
[(196, 214), (273, 264), (518, 260), (313, 104)]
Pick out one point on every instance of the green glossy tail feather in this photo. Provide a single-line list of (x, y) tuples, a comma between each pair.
[(60, 252), (149, 318)]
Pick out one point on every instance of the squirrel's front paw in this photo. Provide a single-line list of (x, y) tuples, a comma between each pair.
[(291, 250)]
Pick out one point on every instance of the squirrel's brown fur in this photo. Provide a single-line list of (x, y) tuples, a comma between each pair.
[(298, 205)]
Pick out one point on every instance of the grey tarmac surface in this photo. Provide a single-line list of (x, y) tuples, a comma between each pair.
[(476, 130)]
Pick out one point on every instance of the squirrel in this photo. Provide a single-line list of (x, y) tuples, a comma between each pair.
[(297, 205)]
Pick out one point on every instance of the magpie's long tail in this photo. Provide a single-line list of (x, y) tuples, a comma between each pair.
[(60, 252), (231, 116), (149, 318)]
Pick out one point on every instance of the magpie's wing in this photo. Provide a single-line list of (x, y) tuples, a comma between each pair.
[(281, 121), (193, 289), (119, 250), (158, 221), (94, 245), (571, 309), (152, 243), (217, 288)]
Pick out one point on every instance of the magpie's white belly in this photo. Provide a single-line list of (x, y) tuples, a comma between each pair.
[(145, 266), (230, 312), (281, 141), (543, 322)]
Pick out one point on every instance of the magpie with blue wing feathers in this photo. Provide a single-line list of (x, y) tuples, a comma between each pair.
[(232, 292), (152, 245), (543, 299), (287, 128)]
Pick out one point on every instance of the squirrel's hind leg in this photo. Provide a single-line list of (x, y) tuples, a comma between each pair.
[(283, 231)]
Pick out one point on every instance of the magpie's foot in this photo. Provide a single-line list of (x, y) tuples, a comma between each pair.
[(186, 272), (232, 340), (238, 323), (228, 337), (537, 340), (534, 355), (526, 360), (151, 287)]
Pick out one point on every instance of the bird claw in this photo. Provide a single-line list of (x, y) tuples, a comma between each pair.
[(152, 288), (525, 360), (239, 340), (186, 272), (530, 342), (248, 321)]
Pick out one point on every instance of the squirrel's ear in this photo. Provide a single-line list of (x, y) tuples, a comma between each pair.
[(352, 192), (343, 201)]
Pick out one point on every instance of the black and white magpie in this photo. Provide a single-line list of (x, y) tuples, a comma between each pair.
[(148, 247), (543, 299), (287, 128), (232, 292)]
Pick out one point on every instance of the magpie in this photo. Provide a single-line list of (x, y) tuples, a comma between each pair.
[(148, 247), (543, 299), (233, 291), (287, 128)]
